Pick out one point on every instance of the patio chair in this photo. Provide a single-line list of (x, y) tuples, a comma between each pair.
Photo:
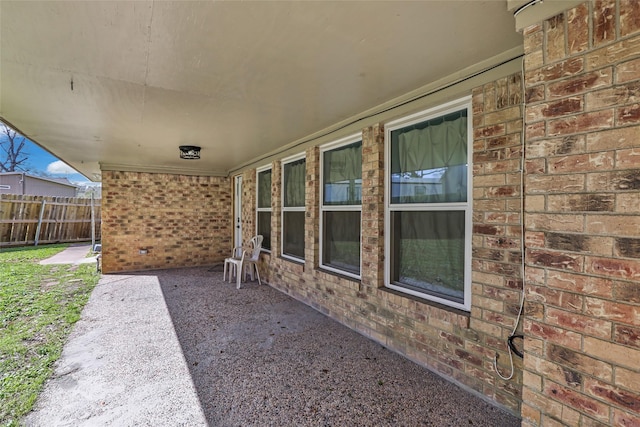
[(242, 259)]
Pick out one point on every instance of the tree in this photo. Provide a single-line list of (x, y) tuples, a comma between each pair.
[(12, 145)]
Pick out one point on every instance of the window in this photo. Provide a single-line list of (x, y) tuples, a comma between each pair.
[(341, 206), (428, 221), (293, 199), (263, 206)]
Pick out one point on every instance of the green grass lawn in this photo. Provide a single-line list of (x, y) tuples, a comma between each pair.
[(38, 306)]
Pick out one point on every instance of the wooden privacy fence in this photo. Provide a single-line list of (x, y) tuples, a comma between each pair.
[(26, 220)]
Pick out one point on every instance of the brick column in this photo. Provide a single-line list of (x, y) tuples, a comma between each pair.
[(373, 207), (312, 203), (583, 217), (276, 210), (248, 205), (497, 231)]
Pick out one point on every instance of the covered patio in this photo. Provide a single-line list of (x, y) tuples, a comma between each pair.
[(442, 177)]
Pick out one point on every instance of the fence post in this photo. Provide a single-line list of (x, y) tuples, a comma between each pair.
[(37, 236), (93, 224)]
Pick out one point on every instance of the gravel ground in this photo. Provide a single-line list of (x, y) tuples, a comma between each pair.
[(259, 357), (256, 357)]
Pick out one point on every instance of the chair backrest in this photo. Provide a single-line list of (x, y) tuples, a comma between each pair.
[(256, 246)]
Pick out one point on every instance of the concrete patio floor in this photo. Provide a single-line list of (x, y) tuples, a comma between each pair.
[(182, 347), (74, 254)]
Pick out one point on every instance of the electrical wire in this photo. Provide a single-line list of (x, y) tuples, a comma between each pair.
[(522, 249)]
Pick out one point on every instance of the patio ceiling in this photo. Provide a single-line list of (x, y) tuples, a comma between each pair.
[(125, 83)]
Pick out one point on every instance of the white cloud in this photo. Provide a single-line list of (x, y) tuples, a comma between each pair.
[(60, 168)]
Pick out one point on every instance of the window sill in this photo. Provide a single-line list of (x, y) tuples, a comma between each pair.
[(336, 274), (427, 302), (292, 259)]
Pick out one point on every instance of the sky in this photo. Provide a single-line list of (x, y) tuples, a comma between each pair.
[(41, 162)]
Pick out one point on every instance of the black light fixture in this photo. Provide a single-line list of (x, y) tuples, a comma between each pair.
[(189, 152)]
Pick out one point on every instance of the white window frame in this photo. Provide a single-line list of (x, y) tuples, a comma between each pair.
[(284, 209), (333, 208), (259, 209), (467, 206)]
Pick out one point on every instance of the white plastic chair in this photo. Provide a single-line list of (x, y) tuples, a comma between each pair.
[(242, 258)]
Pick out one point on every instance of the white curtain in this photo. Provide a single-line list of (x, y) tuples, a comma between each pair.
[(294, 181), (431, 251), (343, 175), (429, 245), (264, 189), (342, 240), (435, 157)]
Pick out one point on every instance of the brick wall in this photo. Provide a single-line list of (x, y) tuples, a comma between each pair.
[(180, 220), (248, 205), (497, 238), (583, 223), (373, 208), (454, 344)]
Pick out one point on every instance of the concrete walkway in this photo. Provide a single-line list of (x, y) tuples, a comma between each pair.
[(182, 347), (74, 254), (122, 365)]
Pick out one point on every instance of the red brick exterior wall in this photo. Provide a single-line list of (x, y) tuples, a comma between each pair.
[(180, 220), (454, 344), (582, 361), (248, 205), (497, 237), (373, 208)]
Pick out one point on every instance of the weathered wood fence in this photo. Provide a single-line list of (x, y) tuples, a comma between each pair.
[(33, 220)]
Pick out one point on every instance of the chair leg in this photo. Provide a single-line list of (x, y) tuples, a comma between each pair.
[(224, 274), (238, 277), (251, 266), (257, 274)]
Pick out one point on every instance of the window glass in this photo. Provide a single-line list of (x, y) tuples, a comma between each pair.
[(264, 189), (293, 231), (342, 175), (293, 207), (341, 207), (264, 228), (264, 208), (427, 249), (429, 211), (294, 179), (341, 240), (429, 161)]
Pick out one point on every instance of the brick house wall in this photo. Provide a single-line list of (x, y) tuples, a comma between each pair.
[(497, 238), (248, 205), (180, 220), (458, 345), (582, 361)]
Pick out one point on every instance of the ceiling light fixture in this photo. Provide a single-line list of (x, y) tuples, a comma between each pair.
[(189, 152)]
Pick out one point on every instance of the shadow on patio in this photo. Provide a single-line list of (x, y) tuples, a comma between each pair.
[(259, 357)]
